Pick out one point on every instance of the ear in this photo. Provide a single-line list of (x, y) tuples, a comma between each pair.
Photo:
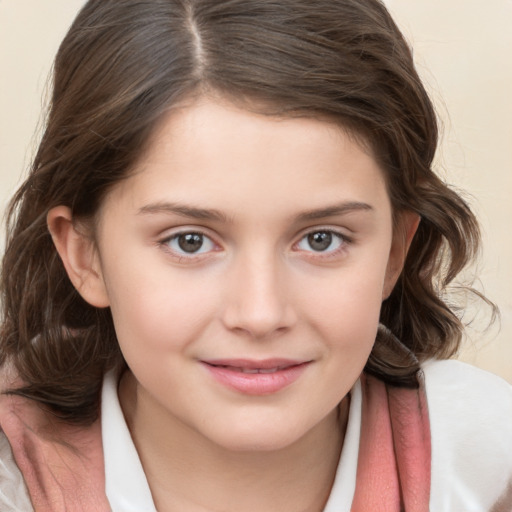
[(79, 255), (403, 233)]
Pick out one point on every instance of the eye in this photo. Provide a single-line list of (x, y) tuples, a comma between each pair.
[(321, 241), (190, 243)]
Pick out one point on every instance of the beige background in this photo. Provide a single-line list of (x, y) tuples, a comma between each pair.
[(463, 50)]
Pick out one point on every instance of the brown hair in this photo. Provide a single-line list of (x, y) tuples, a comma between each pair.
[(123, 64)]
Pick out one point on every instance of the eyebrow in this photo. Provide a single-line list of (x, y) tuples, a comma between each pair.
[(334, 210), (216, 215), (183, 211)]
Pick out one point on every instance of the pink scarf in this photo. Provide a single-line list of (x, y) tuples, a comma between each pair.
[(393, 471), (64, 471), (62, 465)]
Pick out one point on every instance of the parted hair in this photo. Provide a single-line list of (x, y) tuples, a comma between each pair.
[(123, 65)]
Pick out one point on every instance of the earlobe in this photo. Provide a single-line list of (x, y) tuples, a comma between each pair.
[(79, 256), (403, 235)]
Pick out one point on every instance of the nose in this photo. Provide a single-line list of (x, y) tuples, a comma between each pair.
[(257, 298)]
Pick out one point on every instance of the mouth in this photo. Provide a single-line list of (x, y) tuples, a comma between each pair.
[(253, 377), (253, 370)]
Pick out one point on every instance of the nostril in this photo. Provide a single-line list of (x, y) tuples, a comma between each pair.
[(259, 323)]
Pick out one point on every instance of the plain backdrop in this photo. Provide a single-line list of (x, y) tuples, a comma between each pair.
[(463, 51)]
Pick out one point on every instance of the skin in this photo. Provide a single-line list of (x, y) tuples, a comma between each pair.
[(255, 187)]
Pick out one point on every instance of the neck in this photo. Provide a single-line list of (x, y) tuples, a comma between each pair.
[(186, 471)]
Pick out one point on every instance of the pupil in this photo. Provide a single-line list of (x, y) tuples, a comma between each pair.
[(320, 241), (191, 242)]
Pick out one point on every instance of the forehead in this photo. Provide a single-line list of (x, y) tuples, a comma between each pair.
[(217, 154)]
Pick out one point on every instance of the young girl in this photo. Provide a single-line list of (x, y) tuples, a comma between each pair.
[(224, 285)]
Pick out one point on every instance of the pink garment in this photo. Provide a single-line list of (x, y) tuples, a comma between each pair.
[(393, 471), (64, 471), (62, 465)]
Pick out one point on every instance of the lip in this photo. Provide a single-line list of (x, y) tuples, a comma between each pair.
[(253, 377)]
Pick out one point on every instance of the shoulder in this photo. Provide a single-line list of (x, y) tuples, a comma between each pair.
[(471, 425), (13, 493), (465, 387)]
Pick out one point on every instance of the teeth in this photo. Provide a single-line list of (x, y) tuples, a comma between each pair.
[(253, 370), (258, 370), (250, 370)]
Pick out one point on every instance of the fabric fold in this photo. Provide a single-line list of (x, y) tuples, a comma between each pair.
[(62, 464), (394, 467)]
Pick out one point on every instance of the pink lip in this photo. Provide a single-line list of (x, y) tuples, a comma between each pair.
[(253, 377)]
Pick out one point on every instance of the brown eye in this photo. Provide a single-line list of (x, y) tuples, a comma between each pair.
[(190, 242), (320, 241)]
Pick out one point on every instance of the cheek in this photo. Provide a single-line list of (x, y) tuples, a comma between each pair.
[(356, 289), (345, 308), (156, 311)]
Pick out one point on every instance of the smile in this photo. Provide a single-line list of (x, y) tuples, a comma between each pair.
[(254, 370), (256, 377)]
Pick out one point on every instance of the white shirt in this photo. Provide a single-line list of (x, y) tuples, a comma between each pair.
[(471, 424)]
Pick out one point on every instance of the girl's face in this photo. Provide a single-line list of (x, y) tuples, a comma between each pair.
[(245, 262)]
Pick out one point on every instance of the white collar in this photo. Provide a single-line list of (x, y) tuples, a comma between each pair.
[(126, 484), (344, 487)]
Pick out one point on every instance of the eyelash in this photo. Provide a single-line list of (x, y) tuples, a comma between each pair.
[(343, 242), (174, 238), (165, 243)]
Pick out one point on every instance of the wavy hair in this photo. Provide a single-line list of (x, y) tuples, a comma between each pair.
[(123, 64)]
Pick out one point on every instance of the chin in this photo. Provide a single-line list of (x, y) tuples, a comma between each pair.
[(267, 439)]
